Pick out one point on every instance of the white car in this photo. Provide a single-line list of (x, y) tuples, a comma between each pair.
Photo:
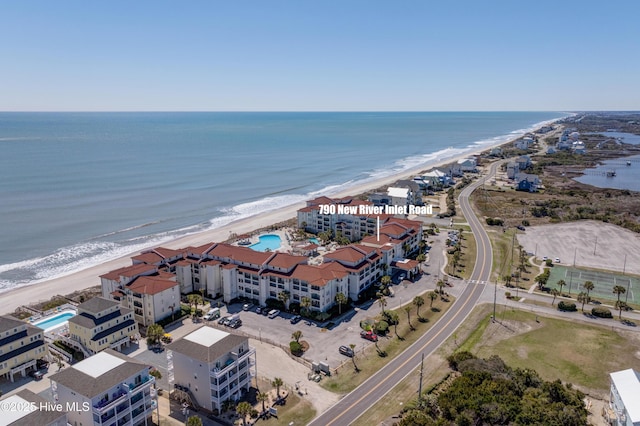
[(557, 260)]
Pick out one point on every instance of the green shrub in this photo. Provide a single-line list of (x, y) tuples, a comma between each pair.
[(601, 312), (295, 348), (382, 327), (567, 306)]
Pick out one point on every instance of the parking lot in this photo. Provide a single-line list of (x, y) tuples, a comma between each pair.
[(325, 339)]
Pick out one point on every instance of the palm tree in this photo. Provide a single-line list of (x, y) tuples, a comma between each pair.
[(284, 297), (382, 301), (154, 333), (407, 309), (555, 293), (243, 410), (620, 305), (619, 290), (277, 382), (341, 299), (296, 335), (262, 397), (583, 298), (561, 284), (507, 280), (418, 301), (588, 285), (305, 303), (395, 319), (432, 296), (353, 358), (421, 258), (440, 285)]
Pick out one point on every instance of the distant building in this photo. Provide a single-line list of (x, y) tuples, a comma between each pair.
[(512, 169), (21, 344), (30, 412), (523, 143), (625, 397), (114, 281), (452, 169), (468, 165), (527, 182), (578, 147), (107, 389), (209, 366), (495, 152), (524, 162), (102, 324)]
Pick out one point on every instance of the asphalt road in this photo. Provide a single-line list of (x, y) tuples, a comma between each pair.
[(350, 407)]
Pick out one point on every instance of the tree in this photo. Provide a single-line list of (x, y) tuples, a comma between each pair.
[(583, 298), (620, 305), (382, 301), (155, 373), (385, 280), (353, 358), (407, 309), (341, 299), (194, 421), (154, 333), (619, 290), (561, 284), (588, 285), (440, 285), (432, 296), (395, 319), (195, 300), (421, 258), (296, 335), (277, 382), (418, 301), (305, 303), (555, 293), (284, 297), (507, 280), (262, 397), (243, 409)]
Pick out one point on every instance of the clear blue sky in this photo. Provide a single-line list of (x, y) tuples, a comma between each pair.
[(335, 55)]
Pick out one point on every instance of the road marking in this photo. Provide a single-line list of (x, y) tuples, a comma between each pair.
[(468, 299)]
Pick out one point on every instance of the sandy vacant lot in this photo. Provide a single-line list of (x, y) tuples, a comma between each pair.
[(580, 239)]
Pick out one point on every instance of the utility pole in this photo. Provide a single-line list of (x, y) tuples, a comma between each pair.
[(495, 294), (595, 246)]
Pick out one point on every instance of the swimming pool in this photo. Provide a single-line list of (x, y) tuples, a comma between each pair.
[(55, 321), (315, 241), (267, 242)]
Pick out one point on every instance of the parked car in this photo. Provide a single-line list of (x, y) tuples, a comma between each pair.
[(246, 306), (274, 313), (295, 319), (37, 374), (212, 314), (258, 310), (557, 260), (520, 227), (402, 277), (369, 335), (235, 323), (222, 320), (345, 350)]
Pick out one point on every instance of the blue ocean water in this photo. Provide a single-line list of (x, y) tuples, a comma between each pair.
[(78, 189)]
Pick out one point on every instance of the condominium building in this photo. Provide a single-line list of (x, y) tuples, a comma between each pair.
[(152, 298), (21, 344), (210, 366), (625, 398), (102, 324), (112, 283), (28, 408), (108, 389)]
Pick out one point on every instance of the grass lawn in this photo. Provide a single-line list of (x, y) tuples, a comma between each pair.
[(346, 379), (578, 353)]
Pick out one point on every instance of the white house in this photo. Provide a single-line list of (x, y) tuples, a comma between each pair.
[(106, 389), (152, 298), (209, 366), (625, 397), (468, 164)]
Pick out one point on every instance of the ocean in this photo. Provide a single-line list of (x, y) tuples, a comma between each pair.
[(79, 189)]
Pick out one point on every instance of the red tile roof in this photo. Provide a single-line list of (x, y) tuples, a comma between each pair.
[(149, 258), (239, 254), (319, 275), (151, 285), (130, 271), (285, 260)]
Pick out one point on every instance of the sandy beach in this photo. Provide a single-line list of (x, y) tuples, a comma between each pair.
[(90, 277)]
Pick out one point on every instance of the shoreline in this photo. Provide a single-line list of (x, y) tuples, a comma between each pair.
[(89, 277)]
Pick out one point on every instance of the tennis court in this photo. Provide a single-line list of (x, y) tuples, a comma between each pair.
[(603, 283)]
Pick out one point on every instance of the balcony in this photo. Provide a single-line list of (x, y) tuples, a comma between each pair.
[(146, 380), (104, 405), (222, 373)]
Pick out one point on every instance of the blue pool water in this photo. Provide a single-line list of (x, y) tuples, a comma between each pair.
[(314, 241), (55, 321), (267, 242)]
